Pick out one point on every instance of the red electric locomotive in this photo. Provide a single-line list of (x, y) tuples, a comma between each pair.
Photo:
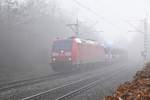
[(69, 54)]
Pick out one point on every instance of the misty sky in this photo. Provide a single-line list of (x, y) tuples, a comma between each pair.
[(112, 16), (109, 16), (111, 19)]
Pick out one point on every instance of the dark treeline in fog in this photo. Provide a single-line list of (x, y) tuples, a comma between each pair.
[(27, 30)]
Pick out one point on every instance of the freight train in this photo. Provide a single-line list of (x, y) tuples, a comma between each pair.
[(73, 53)]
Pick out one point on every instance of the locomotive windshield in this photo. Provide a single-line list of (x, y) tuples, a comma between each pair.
[(62, 45)]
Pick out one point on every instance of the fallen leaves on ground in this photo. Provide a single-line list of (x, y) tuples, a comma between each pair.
[(137, 89)]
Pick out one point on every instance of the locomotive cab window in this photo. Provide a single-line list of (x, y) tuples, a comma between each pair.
[(65, 45)]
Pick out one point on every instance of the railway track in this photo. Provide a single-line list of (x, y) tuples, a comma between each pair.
[(71, 89), (76, 92), (30, 81), (26, 82)]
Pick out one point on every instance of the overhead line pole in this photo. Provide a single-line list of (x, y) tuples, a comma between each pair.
[(145, 38), (75, 27)]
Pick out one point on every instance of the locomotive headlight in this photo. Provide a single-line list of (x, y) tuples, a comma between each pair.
[(69, 59), (54, 59)]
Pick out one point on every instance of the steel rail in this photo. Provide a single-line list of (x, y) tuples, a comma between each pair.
[(82, 89), (77, 84), (25, 82)]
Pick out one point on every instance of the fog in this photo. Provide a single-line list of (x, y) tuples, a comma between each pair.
[(117, 21), (27, 33), (28, 28)]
